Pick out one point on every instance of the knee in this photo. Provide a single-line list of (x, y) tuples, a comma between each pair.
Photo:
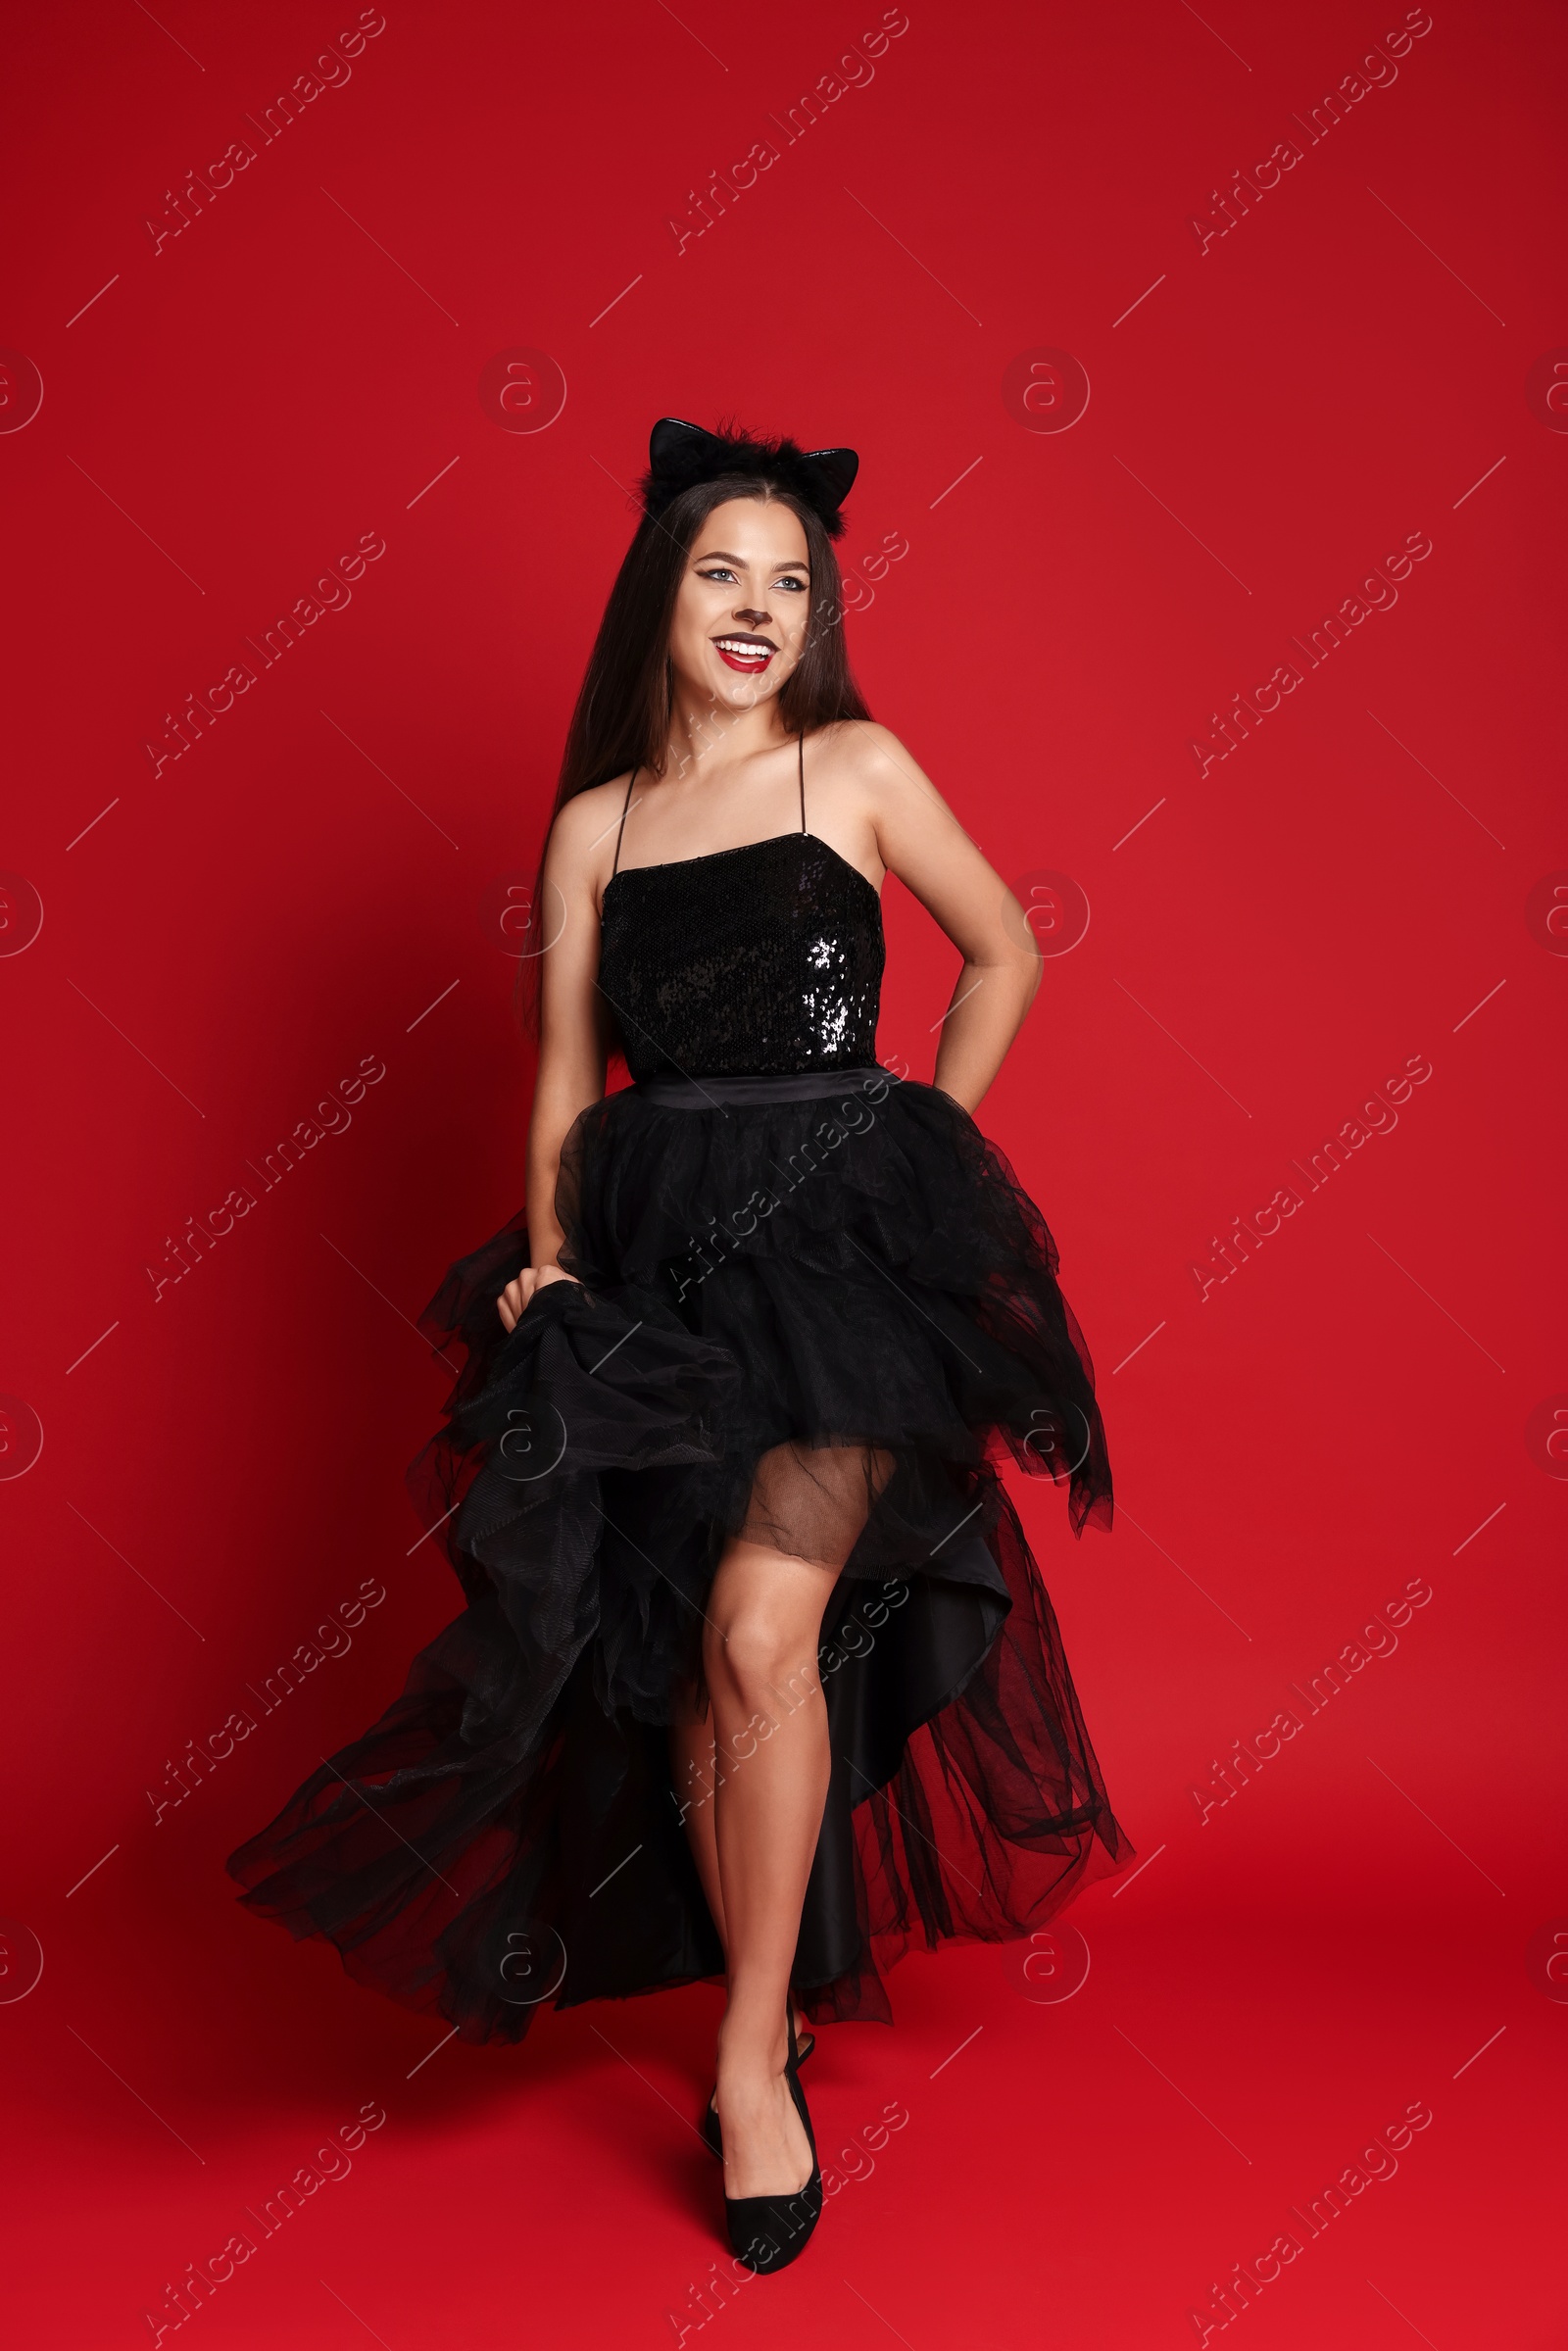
[(761, 1660)]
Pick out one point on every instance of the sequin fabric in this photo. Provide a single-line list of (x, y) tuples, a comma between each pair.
[(765, 960)]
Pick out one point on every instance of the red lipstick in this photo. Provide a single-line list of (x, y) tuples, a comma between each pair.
[(739, 648)]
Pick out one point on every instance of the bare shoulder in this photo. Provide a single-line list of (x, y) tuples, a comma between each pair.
[(879, 776), (858, 751), (587, 824), (866, 764)]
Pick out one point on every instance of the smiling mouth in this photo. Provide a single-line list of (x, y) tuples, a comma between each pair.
[(747, 654)]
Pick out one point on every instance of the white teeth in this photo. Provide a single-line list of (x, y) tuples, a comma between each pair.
[(755, 653)]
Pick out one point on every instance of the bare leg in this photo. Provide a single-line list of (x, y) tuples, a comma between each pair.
[(691, 1753), (770, 1720), (754, 1775)]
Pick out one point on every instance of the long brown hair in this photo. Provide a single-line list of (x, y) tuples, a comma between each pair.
[(623, 711)]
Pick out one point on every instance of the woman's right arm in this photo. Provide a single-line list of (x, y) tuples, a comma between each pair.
[(573, 1032)]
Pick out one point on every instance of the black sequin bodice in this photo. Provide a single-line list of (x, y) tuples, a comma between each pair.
[(765, 960)]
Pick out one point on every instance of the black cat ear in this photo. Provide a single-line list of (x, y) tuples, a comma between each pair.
[(838, 468), (673, 443), (681, 454)]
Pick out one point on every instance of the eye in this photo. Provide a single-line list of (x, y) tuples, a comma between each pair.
[(799, 585), (721, 571)]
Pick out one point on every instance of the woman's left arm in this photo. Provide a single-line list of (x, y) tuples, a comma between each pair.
[(922, 842)]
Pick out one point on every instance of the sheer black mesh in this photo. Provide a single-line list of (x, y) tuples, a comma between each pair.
[(814, 1500)]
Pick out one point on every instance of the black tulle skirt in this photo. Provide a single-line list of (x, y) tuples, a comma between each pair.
[(818, 1312)]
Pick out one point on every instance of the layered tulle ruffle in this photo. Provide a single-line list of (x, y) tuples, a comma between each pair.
[(822, 1323)]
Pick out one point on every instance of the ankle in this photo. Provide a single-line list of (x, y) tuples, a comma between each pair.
[(747, 2057)]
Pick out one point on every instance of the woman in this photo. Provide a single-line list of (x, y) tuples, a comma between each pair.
[(756, 1673)]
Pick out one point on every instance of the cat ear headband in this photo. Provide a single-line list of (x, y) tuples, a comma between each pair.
[(682, 454)]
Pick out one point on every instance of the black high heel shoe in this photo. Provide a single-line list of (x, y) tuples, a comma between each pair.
[(767, 2232), (712, 2135)]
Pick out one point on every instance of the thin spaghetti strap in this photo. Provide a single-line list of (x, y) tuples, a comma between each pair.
[(620, 829), (802, 742)]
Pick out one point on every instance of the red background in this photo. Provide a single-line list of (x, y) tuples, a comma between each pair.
[(225, 939)]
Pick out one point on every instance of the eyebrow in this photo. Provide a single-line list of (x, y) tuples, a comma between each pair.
[(714, 555)]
